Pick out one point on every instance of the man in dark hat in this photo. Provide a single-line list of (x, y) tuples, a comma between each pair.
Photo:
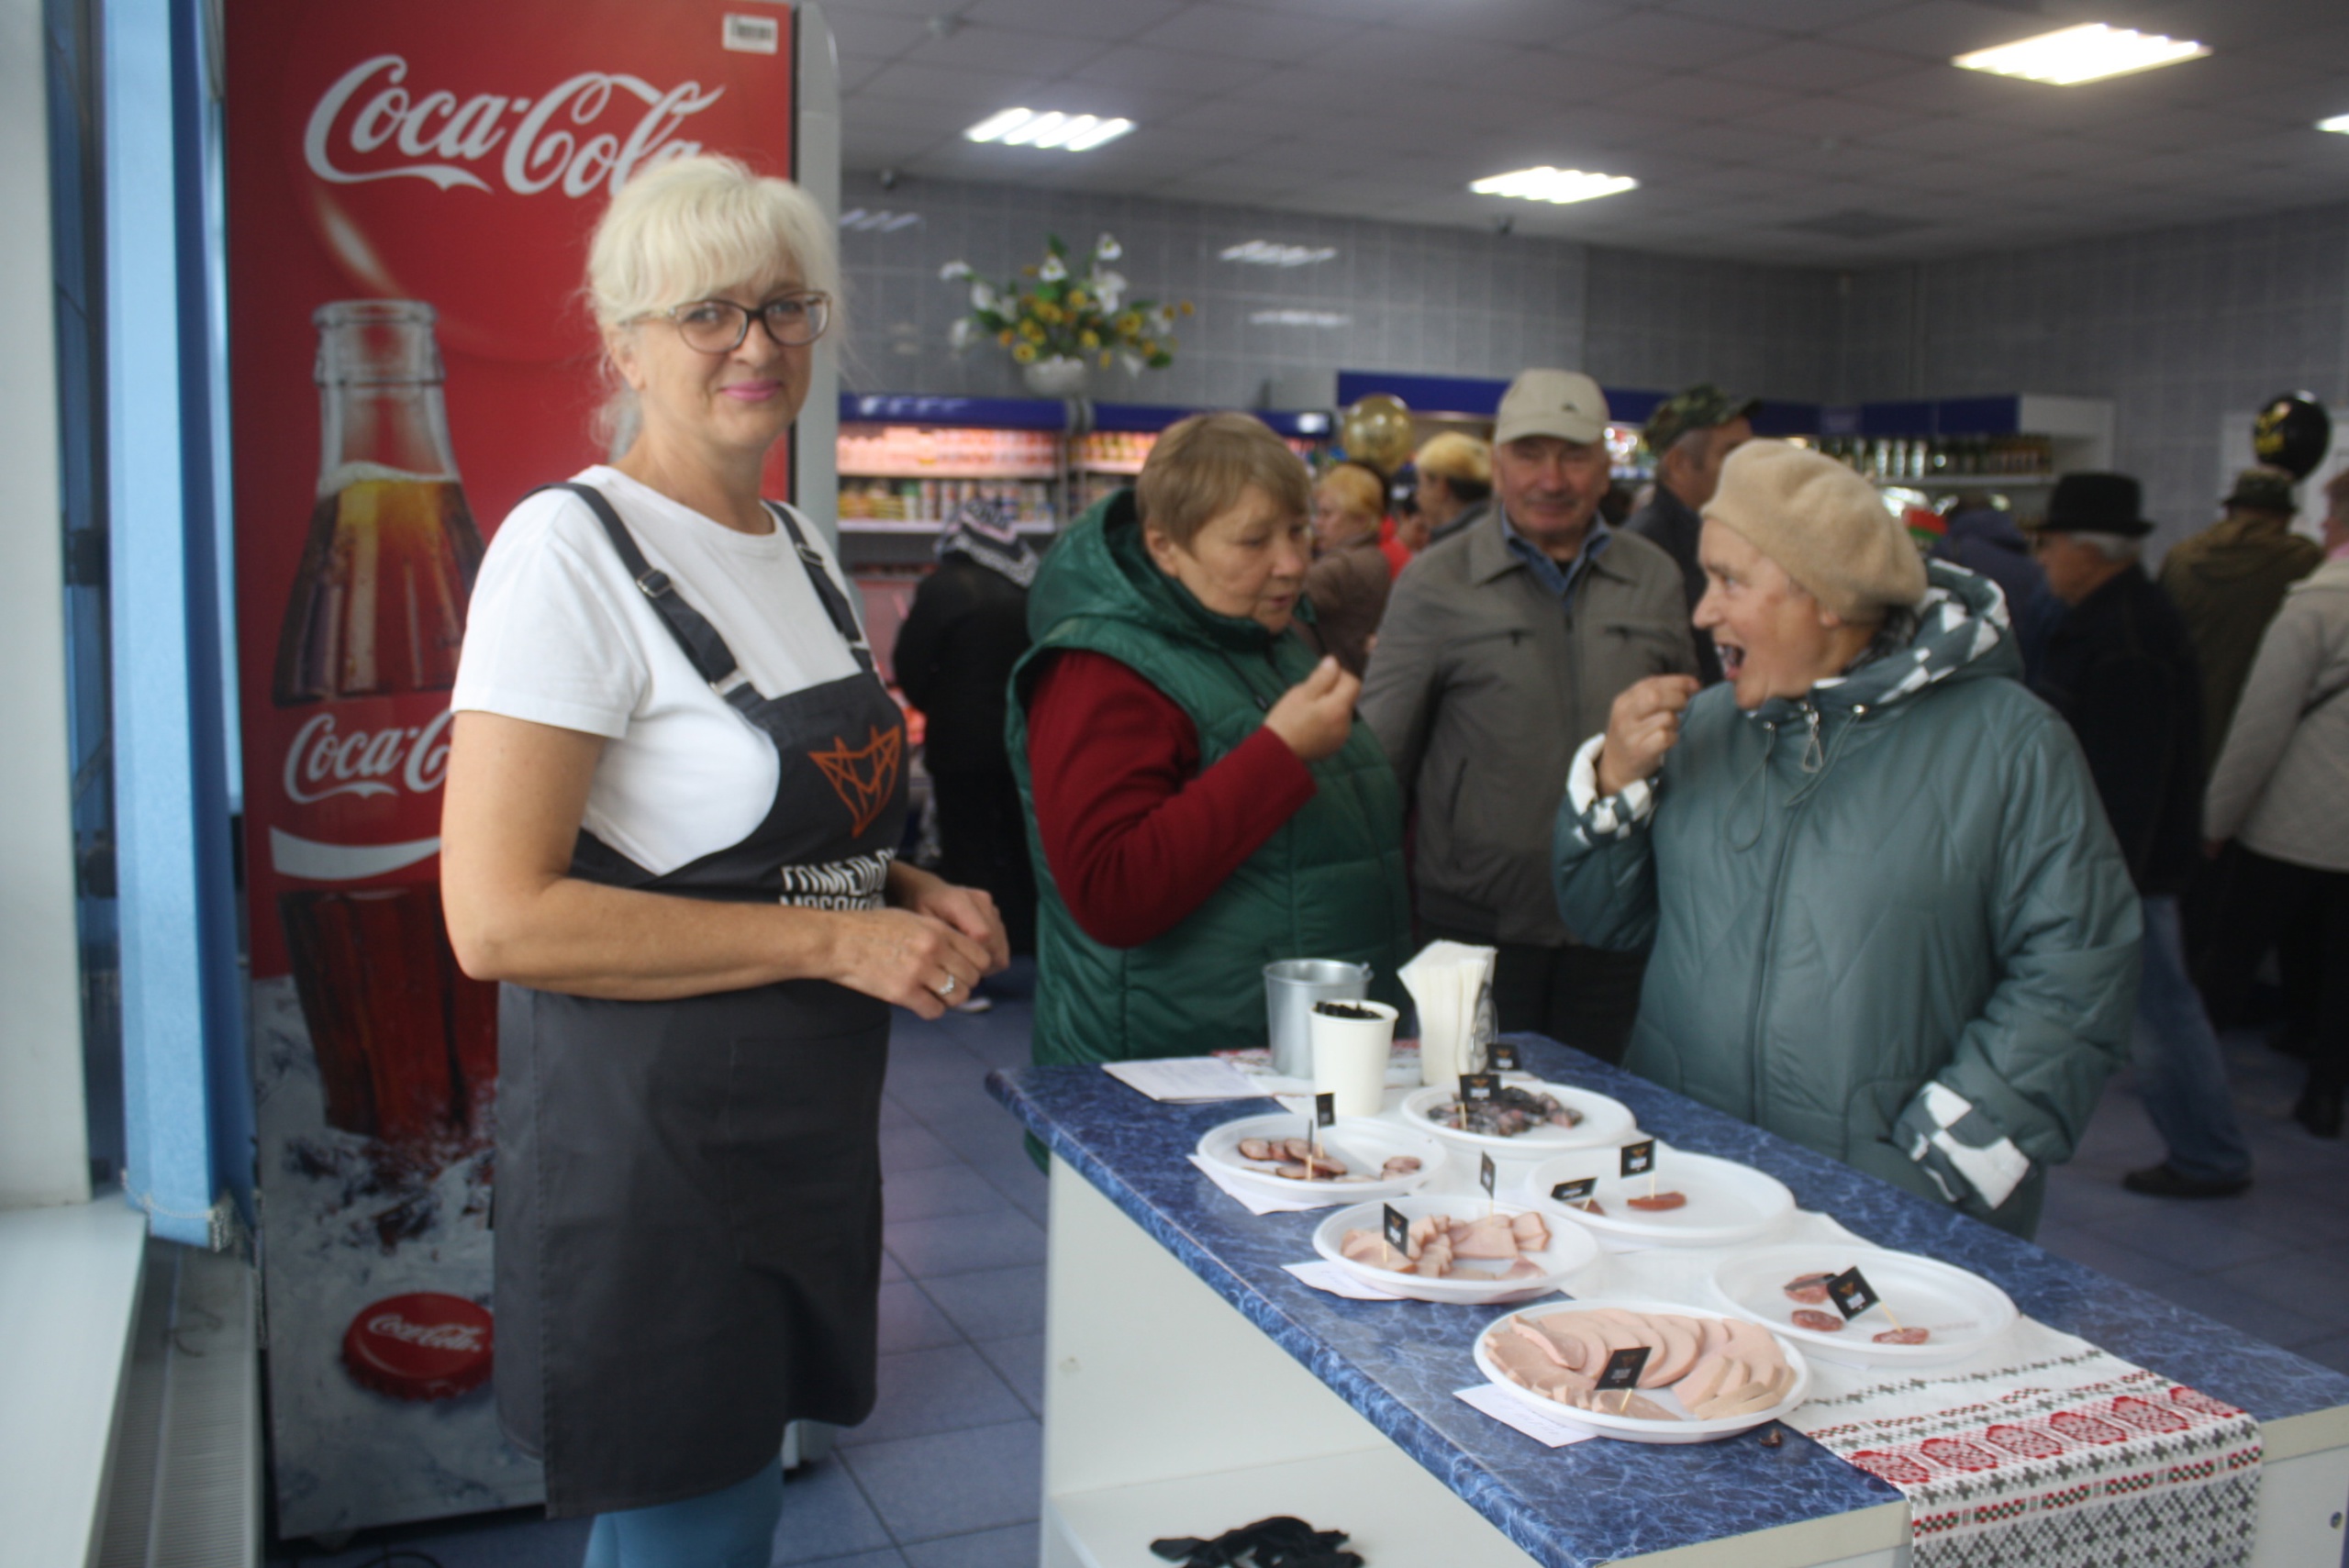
[(2229, 580), (1691, 436), (2120, 669)]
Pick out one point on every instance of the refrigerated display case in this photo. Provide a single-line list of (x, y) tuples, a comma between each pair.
[(906, 461), (2010, 447), (1105, 458)]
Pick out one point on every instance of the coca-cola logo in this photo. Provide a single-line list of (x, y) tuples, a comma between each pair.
[(371, 125), (458, 152), (429, 1336), (323, 761)]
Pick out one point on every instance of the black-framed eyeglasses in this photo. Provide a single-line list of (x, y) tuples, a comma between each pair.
[(719, 326)]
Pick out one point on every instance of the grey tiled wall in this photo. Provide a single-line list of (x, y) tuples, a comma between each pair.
[(1436, 301), (2179, 327)]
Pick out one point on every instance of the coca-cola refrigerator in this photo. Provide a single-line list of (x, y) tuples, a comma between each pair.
[(410, 192)]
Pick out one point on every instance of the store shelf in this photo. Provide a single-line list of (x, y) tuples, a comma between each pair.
[(927, 525), (1132, 467), (1044, 472), (1963, 481)]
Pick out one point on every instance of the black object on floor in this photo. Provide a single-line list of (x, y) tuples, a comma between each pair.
[(2160, 1181), (1278, 1542)]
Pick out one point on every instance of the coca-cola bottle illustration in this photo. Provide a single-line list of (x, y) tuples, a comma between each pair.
[(406, 1045)]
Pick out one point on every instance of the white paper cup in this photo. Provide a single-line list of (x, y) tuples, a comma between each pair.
[(1349, 1056)]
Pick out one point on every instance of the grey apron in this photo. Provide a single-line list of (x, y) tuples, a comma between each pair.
[(689, 1193)]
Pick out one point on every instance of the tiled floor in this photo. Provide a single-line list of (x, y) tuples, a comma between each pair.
[(945, 1474)]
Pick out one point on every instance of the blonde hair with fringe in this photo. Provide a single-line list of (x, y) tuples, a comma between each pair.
[(686, 230), (1201, 466)]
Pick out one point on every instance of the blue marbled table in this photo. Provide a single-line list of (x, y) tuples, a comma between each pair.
[(1398, 1364)]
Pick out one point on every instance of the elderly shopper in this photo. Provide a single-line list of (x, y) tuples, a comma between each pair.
[(1454, 485), (1502, 647), (676, 788), (1886, 916), (2229, 581), (953, 658), (2281, 795), (1690, 437), (1349, 578), (2119, 667), (1201, 801)]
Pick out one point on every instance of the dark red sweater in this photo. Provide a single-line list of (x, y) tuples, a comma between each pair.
[(1136, 835)]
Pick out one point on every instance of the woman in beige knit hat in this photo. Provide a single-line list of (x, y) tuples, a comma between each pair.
[(1884, 916)]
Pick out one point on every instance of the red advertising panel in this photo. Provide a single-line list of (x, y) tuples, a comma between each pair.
[(410, 191)]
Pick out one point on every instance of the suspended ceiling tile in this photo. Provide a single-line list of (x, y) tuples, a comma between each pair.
[(1786, 15), (1238, 32), (1073, 18), (1192, 75), (1939, 30), (1812, 65), (1551, 23), (1824, 117), (1653, 37), (1694, 99)]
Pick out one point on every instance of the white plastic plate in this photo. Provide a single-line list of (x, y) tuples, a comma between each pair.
[(1604, 1121), (1631, 1429), (1963, 1310), (1728, 1203), (1372, 1142), (1472, 1284)]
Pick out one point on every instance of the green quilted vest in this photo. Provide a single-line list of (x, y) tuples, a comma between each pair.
[(1327, 885)]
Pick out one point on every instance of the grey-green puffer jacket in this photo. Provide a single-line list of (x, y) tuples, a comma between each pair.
[(1887, 921)]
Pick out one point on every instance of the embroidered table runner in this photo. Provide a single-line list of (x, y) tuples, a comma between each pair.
[(2038, 1449)]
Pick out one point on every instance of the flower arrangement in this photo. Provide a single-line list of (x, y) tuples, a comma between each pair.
[(1053, 312)]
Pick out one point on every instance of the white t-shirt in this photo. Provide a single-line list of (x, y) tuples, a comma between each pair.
[(558, 633)]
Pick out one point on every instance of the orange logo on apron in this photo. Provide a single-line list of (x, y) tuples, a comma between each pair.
[(864, 778)]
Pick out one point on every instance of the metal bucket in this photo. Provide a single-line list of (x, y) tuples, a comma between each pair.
[(1291, 987)]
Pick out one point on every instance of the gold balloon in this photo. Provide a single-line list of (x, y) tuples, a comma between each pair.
[(1377, 430)]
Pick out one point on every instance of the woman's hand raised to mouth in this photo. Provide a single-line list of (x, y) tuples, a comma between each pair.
[(1644, 725)]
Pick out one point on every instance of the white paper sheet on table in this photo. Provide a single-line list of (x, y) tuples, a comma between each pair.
[(1255, 1202), (1182, 1080), (1510, 1413), (1324, 1275)]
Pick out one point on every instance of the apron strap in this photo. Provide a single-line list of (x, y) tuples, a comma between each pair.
[(701, 642), (835, 603)]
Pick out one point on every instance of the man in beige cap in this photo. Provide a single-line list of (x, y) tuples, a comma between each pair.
[(1883, 911), (1502, 647)]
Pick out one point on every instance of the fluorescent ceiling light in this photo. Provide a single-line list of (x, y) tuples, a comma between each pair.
[(1264, 253), (1026, 127), (881, 221), (1548, 184), (2338, 122), (2088, 52), (1298, 318)]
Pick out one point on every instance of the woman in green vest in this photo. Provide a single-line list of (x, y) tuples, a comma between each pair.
[(1200, 802)]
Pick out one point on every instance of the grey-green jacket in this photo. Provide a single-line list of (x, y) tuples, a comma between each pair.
[(1480, 687), (1887, 921)]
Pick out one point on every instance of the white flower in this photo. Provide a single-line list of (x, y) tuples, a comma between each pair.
[(1162, 321), (962, 334), (1110, 288), (1052, 270), (1132, 362), (953, 270), (983, 296), (1107, 248)]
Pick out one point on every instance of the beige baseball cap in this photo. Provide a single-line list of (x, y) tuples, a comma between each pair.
[(1564, 403)]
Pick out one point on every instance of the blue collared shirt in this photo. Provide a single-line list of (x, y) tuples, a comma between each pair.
[(1559, 579)]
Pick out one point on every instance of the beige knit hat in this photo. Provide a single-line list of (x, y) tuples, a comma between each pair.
[(1824, 523)]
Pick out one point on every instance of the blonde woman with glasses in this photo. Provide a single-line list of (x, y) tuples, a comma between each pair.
[(676, 788)]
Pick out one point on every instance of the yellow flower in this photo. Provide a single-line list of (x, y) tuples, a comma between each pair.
[(1128, 323), (1024, 352), (1106, 358), (1149, 347), (1004, 337), (1089, 339), (1185, 307), (1076, 299), (1048, 312), (1032, 330)]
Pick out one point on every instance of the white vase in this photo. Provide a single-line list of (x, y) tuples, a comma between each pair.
[(1059, 376)]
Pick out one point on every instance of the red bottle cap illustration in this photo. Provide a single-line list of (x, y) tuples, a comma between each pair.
[(422, 1346)]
